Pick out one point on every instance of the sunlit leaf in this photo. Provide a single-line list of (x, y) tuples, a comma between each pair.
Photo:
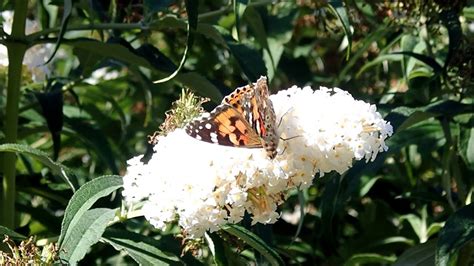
[(83, 199), (84, 233), (58, 169)]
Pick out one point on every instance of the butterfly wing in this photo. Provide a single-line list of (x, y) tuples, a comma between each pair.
[(264, 117), (224, 126)]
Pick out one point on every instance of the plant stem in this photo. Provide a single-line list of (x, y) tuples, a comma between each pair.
[(16, 52)]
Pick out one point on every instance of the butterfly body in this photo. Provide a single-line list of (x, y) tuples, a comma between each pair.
[(245, 118)]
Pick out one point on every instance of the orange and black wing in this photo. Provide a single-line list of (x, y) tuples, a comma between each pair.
[(226, 126)]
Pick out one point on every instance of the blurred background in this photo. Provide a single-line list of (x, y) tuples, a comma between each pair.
[(92, 106)]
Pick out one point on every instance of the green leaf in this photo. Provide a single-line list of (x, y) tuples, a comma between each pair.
[(212, 32), (155, 6), (378, 60), (419, 255), (425, 59), (143, 249), (468, 12), (249, 60), (450, 19), (415, 118), (339, 10), (239, 7), (416, 223), (86, 232), (84, 198), (377, 34), (253, 18), (216, 246), (331, 203), (458, 230), (57, 168), (369, 258), (200, 84), (67, 10), (51, 103), (367, 184), (255, 242), (192, 10), (302, 203), (466, 146), (95, 139), (111, 50), (7, 231)]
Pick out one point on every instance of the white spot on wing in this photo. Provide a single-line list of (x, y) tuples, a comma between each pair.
[(198, 137), (214, 137), (208, 126)]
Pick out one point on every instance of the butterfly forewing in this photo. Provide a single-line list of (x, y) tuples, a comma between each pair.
[(224, 126)]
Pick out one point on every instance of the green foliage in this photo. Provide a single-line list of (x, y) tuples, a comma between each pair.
[(116, 67)]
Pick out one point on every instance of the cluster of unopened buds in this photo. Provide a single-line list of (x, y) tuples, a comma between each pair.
[(203, 186)]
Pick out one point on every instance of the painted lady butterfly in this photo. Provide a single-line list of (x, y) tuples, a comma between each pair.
[(245, 118)]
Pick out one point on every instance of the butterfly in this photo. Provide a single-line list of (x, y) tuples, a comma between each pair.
[(245, 118)]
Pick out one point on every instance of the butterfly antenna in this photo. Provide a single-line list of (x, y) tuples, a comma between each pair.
[(290, 138), (281, 118)]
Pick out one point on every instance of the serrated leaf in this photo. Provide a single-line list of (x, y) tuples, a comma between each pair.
[(458, 230), (7, 231), (84, 198), (255, 242), (143, 249), (57, 168), (86, 232)]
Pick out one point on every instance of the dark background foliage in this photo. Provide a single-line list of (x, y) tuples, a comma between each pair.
[(413, 59)]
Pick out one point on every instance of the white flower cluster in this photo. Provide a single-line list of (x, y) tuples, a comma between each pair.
[(204, 186)]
